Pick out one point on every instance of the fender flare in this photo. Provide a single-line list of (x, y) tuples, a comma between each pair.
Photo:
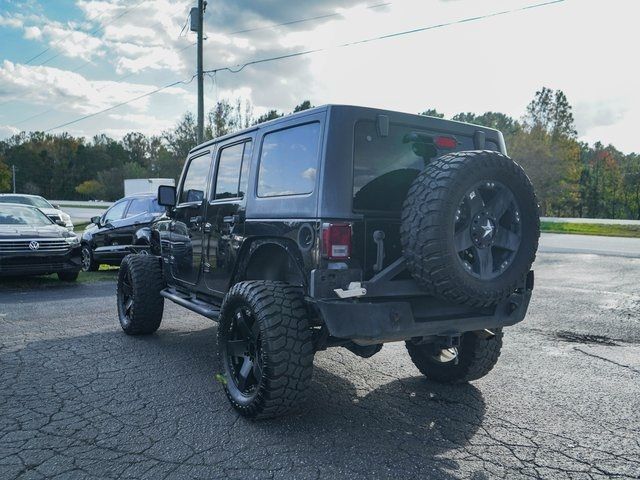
[(251, 247)]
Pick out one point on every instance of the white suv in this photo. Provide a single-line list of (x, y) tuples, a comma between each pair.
[(51, 211)]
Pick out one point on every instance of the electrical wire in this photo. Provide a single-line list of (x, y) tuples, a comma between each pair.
[(92, 32), (238, 68), (185, 82), (302, 20)]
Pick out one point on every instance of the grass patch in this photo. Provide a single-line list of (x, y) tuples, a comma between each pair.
[(591, 229), (79, 227), (106, 273)]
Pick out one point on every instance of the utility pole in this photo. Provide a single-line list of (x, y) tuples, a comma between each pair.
[(201, 6), (13, 171)]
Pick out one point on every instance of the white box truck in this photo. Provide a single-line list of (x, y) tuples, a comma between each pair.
[(145, 185)]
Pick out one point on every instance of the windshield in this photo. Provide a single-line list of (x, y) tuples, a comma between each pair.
[(24, 200), (17, 215)]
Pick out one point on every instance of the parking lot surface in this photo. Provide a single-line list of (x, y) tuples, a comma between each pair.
[(79, 399)]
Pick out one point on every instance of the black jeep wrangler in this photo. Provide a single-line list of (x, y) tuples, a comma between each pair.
[(341, 226)]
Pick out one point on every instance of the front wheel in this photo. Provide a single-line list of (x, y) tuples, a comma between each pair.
[(88, 263), (477, 354), (265, 348), (140, 305)]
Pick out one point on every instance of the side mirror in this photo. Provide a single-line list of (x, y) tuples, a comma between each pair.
[(95, 220), (167, 196), (56, 206)]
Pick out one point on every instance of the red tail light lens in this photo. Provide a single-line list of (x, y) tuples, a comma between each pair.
[(336, 241), (446, 142)]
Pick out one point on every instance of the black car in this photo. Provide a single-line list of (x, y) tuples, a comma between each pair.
[(110, 237), (32, 244), (341, 227)]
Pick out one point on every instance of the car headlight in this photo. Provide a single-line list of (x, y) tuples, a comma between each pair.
[(72, 240)]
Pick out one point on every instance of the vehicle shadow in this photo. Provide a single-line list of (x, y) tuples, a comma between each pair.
[(166, 387), (30, 282)]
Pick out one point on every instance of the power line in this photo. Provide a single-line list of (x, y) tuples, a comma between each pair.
[(185, 82), (92, 32), (302, 20), (240, 67)]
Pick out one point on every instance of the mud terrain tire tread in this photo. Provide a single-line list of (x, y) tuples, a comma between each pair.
[(477, 356), (427, 225), (147, 282), (287, 345)]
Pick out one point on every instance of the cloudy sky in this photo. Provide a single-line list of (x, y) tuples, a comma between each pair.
[(63, 59)]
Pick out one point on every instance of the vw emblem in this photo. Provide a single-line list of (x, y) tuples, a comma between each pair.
[(33, 245)]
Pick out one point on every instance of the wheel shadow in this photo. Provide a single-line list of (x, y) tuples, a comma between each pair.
[(405, 427)]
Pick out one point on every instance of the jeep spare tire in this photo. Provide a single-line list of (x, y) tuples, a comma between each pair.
[(470, 227)]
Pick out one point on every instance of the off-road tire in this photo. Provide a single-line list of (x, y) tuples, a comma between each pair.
[(91, 265), (428, 223), (68, 276), (143, 274), (477, 355), (286, 351)]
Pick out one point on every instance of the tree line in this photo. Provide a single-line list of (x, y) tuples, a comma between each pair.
[(571, 177)]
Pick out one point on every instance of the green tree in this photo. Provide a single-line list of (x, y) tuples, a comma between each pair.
[(269, 115), (5, 177), (306, 105), (432, 112), (91, 190)]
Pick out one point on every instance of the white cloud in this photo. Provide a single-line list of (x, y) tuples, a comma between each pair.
[(9, 21), (70, 91), (7, 131), (32, 33)]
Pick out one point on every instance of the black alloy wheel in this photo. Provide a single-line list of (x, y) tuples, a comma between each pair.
[(488, 230), (140, 305), (243, 349), (125, 298)]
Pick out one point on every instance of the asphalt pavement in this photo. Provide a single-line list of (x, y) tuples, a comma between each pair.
[(79, 399)]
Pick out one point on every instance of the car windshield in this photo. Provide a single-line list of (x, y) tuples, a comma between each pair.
[(38, 202), (18, 215)]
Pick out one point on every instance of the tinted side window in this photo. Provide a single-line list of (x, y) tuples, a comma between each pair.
[(138, 206), (116, 212), (228, 176), (195, 180), (288, 162), (246, 163)]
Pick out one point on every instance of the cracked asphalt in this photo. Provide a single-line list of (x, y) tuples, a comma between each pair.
[(79, 399)]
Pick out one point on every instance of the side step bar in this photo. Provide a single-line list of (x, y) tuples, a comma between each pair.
[(191, 303)]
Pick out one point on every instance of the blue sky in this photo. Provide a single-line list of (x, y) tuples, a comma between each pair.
[(103, 52)]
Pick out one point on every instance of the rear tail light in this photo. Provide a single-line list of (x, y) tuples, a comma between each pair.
[(336, 240), (446, 142)]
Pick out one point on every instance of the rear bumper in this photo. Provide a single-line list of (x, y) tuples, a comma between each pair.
[(40, 263), (379, 321)]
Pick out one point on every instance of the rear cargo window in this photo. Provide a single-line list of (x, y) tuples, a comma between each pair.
[(289, 161), (384, 167)]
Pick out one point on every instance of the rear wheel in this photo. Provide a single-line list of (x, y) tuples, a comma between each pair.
[(265, 348), (140, 305), (477, 354), (88, 263)]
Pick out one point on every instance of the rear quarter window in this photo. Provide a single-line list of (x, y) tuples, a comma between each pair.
[(289, 161)]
